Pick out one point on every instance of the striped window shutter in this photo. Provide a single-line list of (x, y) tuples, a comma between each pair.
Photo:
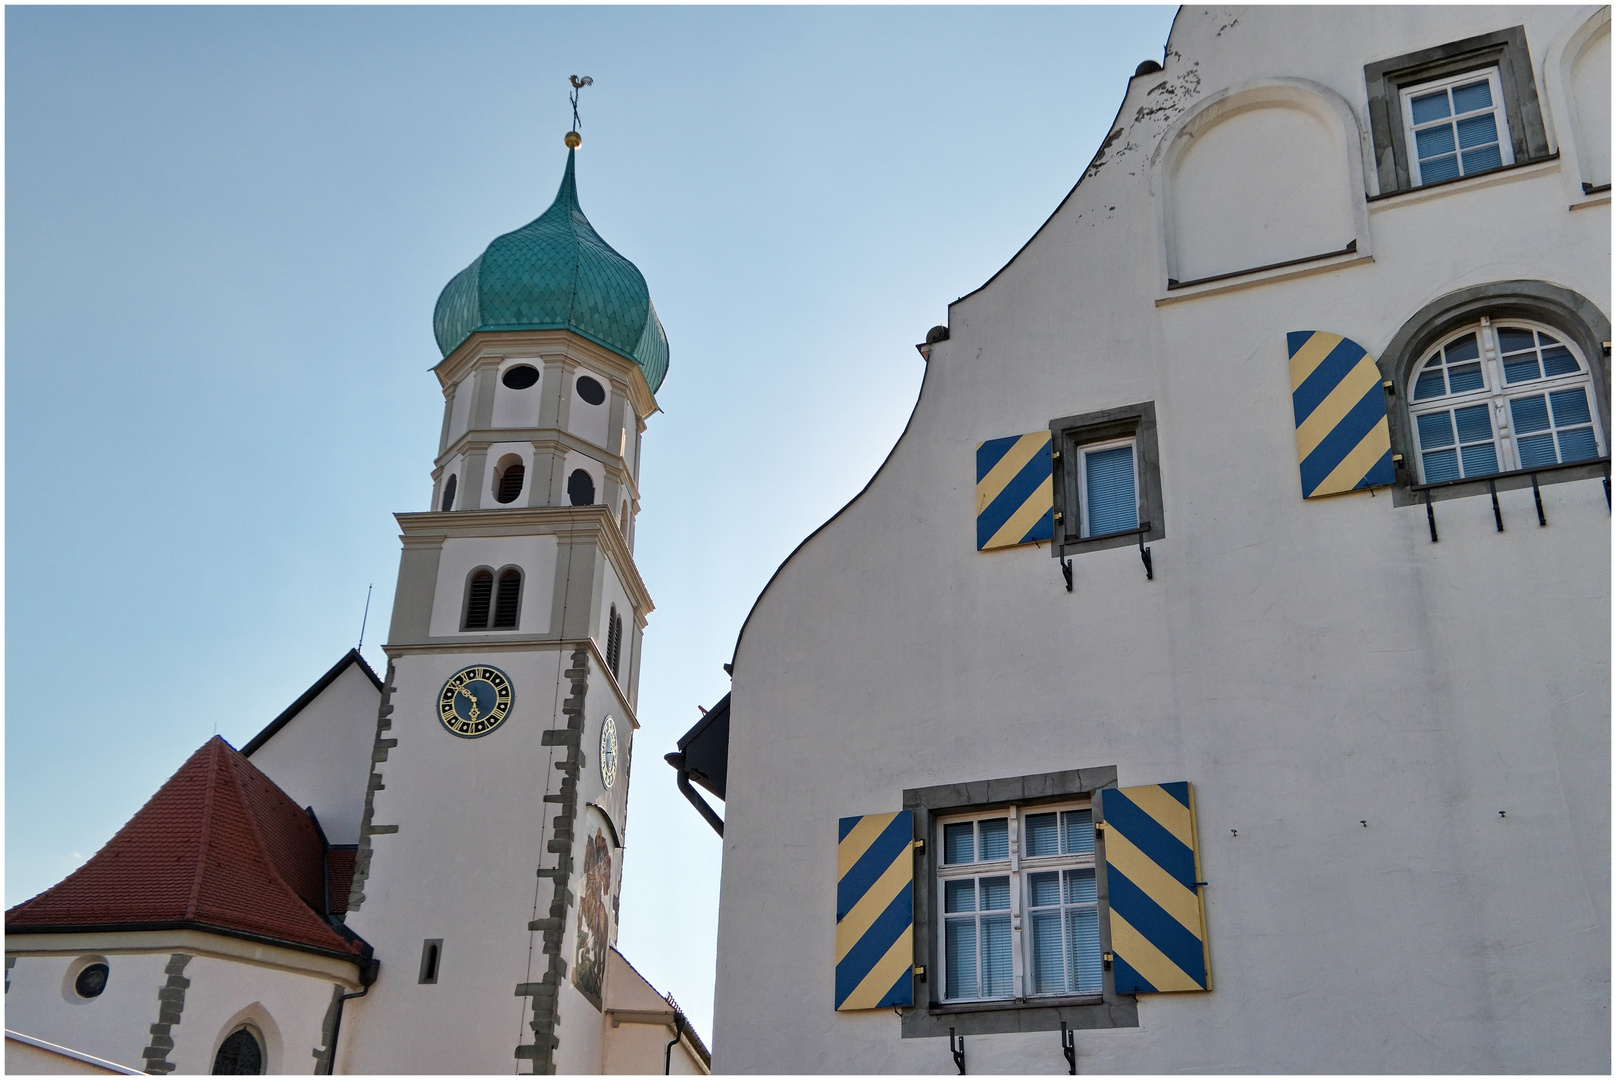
[(1342, 439), (875, 911), (1152, 871), (1015, 491)]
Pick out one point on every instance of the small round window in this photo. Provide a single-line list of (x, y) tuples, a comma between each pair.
[(590, 390), (91, 981), (520, 377)]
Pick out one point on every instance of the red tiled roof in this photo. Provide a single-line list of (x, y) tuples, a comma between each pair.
[(219, 846)]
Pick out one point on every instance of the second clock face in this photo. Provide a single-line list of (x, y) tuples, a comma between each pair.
[(475, 701), (608, 752)]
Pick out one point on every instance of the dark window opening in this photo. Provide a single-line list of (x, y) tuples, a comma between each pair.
[(91, 981), (449, 494), (431, 949), (614, 638), (590, 390), (508, 601), (240, 1055), (510, 482), (581, 488), (478, 599), (520, 377)]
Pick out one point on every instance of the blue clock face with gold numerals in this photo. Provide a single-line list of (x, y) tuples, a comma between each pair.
[(475, 701)]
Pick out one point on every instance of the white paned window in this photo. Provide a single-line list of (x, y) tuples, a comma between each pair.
[(1497, 397), (1109, 501), (1456, 126), (1020, 904)]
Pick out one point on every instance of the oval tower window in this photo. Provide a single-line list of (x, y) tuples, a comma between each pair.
[(590, 390), (581, 488), (520, 377)]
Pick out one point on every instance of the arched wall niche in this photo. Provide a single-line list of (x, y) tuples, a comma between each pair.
[(1587, 66), (1261, 176)]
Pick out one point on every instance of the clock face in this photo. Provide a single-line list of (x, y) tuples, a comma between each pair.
[(608, 752), (475, 701)]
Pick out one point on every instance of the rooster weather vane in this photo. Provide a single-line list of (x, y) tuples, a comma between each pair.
[(578, 83)]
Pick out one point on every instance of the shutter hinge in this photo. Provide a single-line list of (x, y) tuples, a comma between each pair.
[(919, 846), (1054, 455)]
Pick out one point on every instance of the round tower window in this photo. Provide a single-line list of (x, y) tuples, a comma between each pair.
[(590, 390), (91, 981), (520, 377)]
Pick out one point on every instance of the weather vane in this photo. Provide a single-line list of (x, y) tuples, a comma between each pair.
[(578, 83)]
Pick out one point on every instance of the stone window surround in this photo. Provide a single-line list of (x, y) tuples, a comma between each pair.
[(1504, 49), (1071, 432), (929, 1019), (1571, 314)]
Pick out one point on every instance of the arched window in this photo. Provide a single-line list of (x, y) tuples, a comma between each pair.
[(622, 520), (508, 476), (448, 494), (1500, 396), (479, 597), (240, 1054), (581, 488), (508, 601), (614, 638)]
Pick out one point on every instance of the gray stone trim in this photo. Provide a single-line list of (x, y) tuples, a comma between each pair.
[(1571, 313), (367, 825), (1504, 49), (929, 1019), (328, 1029), (1070, 432), (546, 992), (170, 1004)]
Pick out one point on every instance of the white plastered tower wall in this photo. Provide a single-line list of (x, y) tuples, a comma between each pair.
[(1310, 666), (479, 844)]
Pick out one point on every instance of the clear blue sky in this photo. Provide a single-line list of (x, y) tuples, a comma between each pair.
[(225, 232)]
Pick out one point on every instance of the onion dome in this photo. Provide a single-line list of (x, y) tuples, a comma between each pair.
[(556, 273)]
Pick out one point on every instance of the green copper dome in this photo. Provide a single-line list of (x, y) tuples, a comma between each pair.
[(556, 273)]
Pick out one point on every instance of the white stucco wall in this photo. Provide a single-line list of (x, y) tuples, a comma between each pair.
[(590, 421), (473, 827), (1307, 665), (321, 758), (518, 408), (40, 1002)]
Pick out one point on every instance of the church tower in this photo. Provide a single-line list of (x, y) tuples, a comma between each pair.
[(492, 839)]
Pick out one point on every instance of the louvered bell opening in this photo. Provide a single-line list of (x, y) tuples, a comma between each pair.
[(614, 639), (510, 483), (509, 600), (477, 600)]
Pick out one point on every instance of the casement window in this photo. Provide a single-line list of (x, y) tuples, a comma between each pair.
[(1107, 482), (1020, 905), (1456, 126), (1454, 110), (1500, 397)]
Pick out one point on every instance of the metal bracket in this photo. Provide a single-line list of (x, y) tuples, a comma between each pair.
[(1537, 498), (1430, 515), (1069, 1048), (1144, 557), (957, 1051), (1066, 571), (1498, 515)]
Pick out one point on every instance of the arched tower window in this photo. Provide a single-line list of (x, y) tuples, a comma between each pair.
[(239, 1055), (622, 520), (448, 494), (479, 598), (508, 601), (581, 488), (614, 638), (508, 475)]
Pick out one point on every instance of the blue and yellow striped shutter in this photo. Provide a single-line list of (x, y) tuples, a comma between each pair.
[(1015, 491), (1152, 871), (875, 911), (1342, 440)]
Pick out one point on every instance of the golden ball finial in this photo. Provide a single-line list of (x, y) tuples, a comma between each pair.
[(573, 140)]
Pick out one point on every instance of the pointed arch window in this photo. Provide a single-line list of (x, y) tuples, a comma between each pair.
[(479, 599), (240, 1054), (508, 600), (614, 639)]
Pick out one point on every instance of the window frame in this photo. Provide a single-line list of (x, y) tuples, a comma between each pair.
[(931, 1016), (1567, 315), (1448, 83), (1385, 80), (1072, 437)]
